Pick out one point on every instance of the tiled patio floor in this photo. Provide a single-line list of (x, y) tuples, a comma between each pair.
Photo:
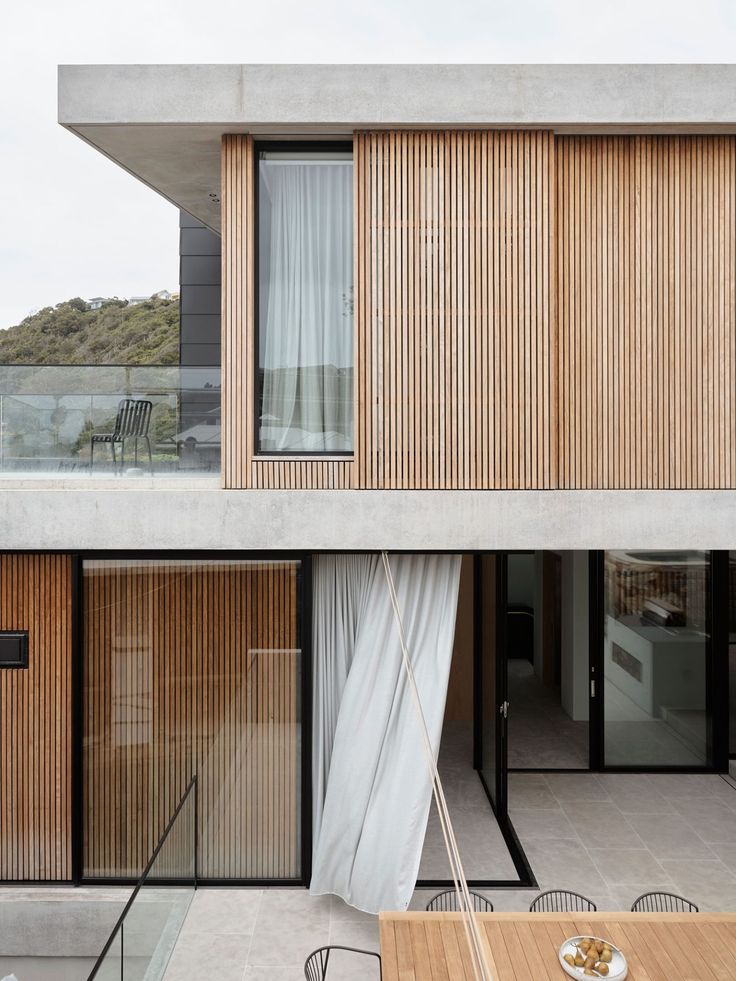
[(611, 836)]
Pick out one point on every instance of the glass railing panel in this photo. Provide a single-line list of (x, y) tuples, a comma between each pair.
[(156, 916), (50, 413), (109, 967), (146, 933)]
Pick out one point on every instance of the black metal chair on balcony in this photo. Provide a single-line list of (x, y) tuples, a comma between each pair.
[(315, 966), (662, 902), (447, 902), (562, 901), (131, 422)]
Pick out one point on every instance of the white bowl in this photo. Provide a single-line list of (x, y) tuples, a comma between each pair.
[(617, 968)]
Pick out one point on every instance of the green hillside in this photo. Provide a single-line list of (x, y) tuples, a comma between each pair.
[(71, 333)]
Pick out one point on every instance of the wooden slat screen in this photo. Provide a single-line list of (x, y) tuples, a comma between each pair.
[(192, 667), (647, 311), (35, 720), (455, 360), (531, 311), (238, 282)]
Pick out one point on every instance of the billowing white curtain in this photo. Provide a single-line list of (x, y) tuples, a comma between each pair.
[(307, 316), (368, 754)]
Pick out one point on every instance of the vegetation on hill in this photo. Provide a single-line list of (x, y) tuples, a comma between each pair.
[(116, 333)]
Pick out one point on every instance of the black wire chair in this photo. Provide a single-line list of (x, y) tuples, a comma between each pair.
[(448, 902), (132, 422), (562, 901), (663, 902), (315, 966)]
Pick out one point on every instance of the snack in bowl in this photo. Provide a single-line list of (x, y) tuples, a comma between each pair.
[(593, 957)]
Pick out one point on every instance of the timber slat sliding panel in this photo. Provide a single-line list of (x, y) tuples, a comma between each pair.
[(647, 311), (192, 668), (35, 720), (455, 353)]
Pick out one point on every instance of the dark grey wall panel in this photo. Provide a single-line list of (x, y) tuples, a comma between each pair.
[(204, 354), (200, 299), (199, 334), (199, 241), (189, 221), (202, 269), (200, 328)]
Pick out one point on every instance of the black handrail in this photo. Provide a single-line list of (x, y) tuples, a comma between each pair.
[(192, 786)]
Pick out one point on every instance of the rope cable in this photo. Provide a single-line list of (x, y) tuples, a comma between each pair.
[(481, 967)]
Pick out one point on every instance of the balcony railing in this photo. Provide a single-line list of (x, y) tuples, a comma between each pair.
[(49, 413), (144, 937)]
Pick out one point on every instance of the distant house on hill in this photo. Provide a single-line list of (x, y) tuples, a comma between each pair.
[(160, 295), (95, 302)]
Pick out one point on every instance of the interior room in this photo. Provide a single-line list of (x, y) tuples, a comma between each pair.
[(481, 843), (547, 643)]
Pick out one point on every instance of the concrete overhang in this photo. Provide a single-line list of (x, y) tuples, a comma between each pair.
[(163, 123)]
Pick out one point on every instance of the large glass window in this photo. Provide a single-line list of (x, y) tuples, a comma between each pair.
[(732, 654), (192, 667), (305, 302), (656, 651)]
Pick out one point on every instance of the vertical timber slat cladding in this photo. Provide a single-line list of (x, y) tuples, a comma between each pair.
[(238, 284), (35, 720), (531, 311), (454, 319), (192, 668), (647, 311)]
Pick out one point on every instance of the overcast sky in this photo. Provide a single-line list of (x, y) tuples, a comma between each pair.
[(74, 224)]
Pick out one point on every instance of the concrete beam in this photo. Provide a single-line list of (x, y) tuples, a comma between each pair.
[(163, 123), (345, 97), (69, 518)]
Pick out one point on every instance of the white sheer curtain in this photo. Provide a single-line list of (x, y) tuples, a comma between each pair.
[(368, 755), (306, 348)]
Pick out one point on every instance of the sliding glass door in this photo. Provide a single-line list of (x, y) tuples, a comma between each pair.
[(654, 682), (491, 573)]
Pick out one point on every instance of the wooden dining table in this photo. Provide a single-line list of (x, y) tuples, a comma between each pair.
[(525, 946)]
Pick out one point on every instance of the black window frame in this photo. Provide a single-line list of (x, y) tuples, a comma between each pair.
[(287, 146)]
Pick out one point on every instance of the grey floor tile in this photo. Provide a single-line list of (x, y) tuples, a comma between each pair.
[(687, 785), (620, 866), (211, 956), (577, 787), (339, 910), (600, 824), (564, 864), (540, 822), (223, 911), (726, 853), (691, 874), (274, 974), (354, 933), (279, 941), (709, 817), (633, 793), (530, 790), (670, 836)]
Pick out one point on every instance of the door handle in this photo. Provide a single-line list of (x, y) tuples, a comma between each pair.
[(503, 709), (592, 688)]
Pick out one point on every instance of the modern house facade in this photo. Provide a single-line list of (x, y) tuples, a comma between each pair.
[(480, 317)]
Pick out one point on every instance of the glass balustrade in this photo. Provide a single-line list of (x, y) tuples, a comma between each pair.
[(144, 937), (96, 420)]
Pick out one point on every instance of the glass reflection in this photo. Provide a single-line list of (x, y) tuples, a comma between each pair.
[(655, 653)]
